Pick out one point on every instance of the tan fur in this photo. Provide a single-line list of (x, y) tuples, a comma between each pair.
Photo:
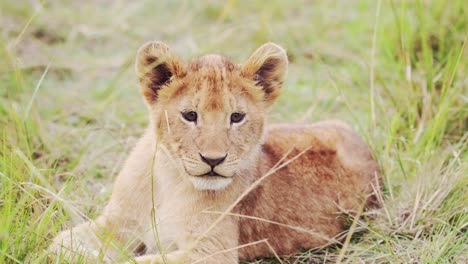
[(287, 186)]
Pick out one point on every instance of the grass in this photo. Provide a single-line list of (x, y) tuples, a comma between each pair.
[(395, 70)]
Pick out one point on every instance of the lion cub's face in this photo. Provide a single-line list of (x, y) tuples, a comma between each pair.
[(209, 113)]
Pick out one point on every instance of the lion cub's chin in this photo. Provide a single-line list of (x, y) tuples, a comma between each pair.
[(210, 182)]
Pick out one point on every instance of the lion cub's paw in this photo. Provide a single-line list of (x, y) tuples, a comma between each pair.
[(70, 246)]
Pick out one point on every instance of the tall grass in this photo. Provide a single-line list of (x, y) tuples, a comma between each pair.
[(395, 70)]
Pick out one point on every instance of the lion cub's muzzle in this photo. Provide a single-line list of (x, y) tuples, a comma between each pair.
[(210, 172)]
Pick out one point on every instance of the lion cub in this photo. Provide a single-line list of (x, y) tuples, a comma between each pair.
[(208, 183)]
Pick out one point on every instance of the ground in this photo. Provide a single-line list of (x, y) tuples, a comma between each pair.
[(394, 70)]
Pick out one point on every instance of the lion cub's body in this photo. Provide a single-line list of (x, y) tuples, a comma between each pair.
[(335, 166), (276, 191)]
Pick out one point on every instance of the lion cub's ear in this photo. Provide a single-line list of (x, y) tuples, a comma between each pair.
[(267, 66), (156, 66)]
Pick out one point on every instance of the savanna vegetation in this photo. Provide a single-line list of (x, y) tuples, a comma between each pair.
[(395, 70)]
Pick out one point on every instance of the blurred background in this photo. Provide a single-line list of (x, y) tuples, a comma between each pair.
[(394, 70)]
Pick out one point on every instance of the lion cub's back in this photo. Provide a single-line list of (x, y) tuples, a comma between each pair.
[(329, 168)]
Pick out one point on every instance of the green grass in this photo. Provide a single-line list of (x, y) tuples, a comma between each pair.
[(395, 70)]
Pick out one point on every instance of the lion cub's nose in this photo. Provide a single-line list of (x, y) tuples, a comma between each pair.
[(213, 162)]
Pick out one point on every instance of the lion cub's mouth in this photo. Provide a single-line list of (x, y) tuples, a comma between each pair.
[(210, 181), (212, 173)]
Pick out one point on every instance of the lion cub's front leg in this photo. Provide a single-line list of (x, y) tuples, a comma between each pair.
[(202, 243), (118, 228), (95, 239)]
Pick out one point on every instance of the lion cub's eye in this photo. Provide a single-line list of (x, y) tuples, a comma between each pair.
[(190, 116), (237, 117)]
